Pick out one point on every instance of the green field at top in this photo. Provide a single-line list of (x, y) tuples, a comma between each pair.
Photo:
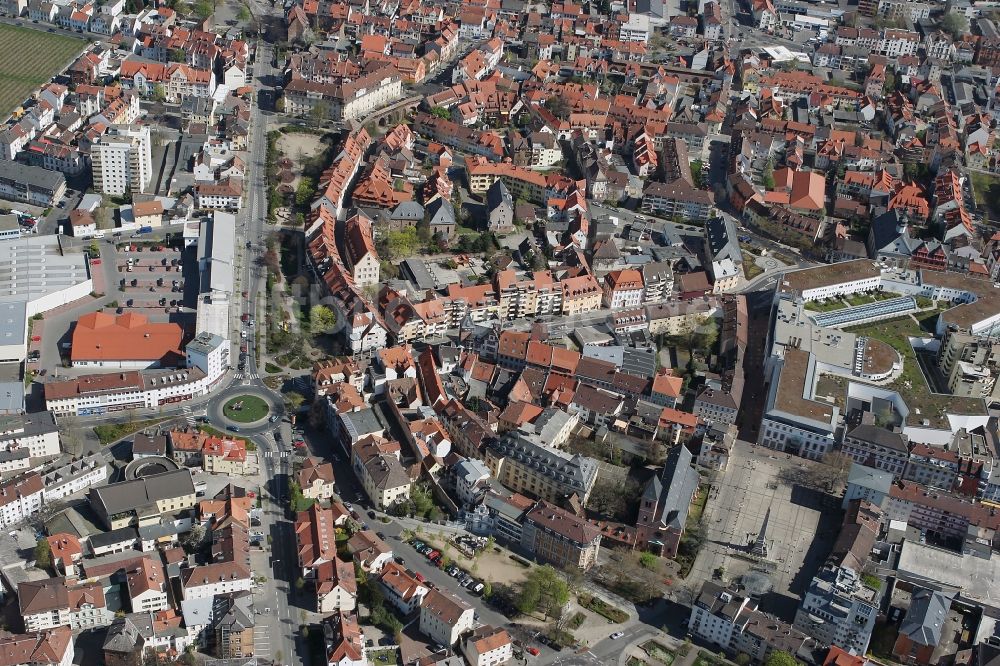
[(28, 59)]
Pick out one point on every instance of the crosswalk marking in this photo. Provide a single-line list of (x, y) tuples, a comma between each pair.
[(277, 454), (189, 415)]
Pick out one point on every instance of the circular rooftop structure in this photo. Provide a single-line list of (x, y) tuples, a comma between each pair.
[(878, 359), (149, 466)]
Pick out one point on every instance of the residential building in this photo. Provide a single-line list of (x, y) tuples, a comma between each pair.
[(402, 589), (52, 602), (623, 289), (839, 608), (336, 587), (487, 646), (122, 160), (146, 585), (144, 500), (30, 184), (383, 477), (525, 465), (316, 537), (20, 498), (46, 648), (234, 624), (344, 640), (560, 538), (316, 479), (444, 617), (210, 580), (725, 618), (369, 551)]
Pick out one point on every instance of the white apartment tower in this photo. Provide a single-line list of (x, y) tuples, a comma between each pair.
[(122, 160)]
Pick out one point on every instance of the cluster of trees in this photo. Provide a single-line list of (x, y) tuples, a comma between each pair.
[(544, 590), (296, 500), (322, 319), (615, 499), (371, 596), (420, 504), (827, 476), (43, 554)]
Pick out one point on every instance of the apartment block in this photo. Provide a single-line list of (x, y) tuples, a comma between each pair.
[(122, 161)]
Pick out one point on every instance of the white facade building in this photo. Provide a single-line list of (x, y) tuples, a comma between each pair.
[(122, 160)]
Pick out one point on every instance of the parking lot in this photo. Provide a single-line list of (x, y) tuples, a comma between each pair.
[(150, 279), (741, 497)]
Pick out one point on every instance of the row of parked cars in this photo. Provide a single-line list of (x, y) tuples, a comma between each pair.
[(436, 558)]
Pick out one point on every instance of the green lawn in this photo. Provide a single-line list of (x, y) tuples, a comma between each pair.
[(825, 305), (659, 652), (911, 384), (986, 188), (28, 59), (113, 432), (602, 608), (383, 657), (246, 409)]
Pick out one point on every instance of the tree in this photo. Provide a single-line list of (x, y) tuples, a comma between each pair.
[(203, 9), (780, 658), (321, 319), (305, 192), (696, 174), (441, 112), (243, 14), (177, 55), (300, 583), (648, 560), (159, 94), (955, 24), (192, 539), (528, 597), (890, 82), (43, 554), (294, 400), (767, 174), (320, 113)]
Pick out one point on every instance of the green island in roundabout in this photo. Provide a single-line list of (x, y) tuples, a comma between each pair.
[(246, 409)]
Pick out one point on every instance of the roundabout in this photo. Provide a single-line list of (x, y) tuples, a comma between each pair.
[(246, 408)]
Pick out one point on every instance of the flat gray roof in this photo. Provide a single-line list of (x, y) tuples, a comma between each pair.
[(34, 176), (32, 267), (13, 322)]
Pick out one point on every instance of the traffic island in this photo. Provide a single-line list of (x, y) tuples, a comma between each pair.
[(246, 409)]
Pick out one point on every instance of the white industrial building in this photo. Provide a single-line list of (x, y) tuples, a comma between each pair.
[(216, 267), (35, 277)]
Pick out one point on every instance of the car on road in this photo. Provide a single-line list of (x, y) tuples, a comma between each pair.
[(274, 417), (399, 560), (233, 428), (618, 634)]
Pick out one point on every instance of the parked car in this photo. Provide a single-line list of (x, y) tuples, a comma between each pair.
[(618, 634)]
